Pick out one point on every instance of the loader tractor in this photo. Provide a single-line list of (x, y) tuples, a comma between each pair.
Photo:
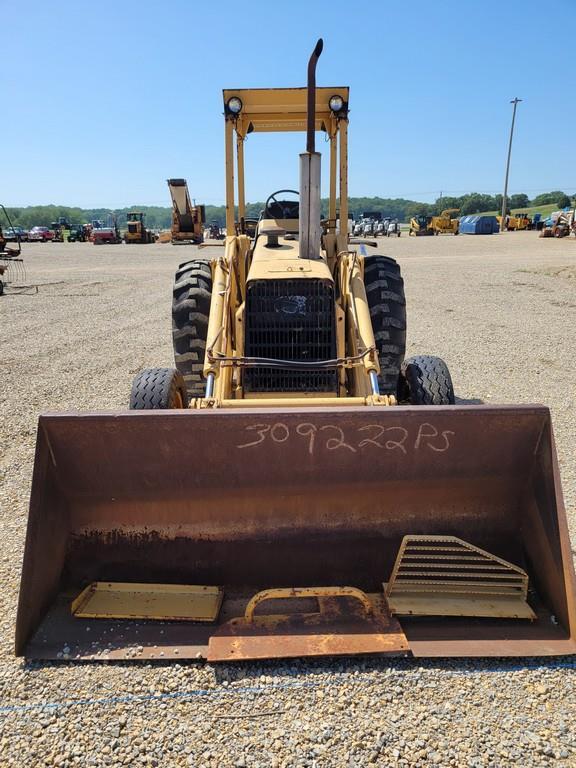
[(136, 231), (561, 224), (519, 222), (516, 222), (421, 225), (295, 486)]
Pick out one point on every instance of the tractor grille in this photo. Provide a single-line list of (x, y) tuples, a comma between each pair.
[(290, 320), (133, 228)]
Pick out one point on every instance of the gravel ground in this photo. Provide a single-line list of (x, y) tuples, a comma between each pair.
[(501, 310)]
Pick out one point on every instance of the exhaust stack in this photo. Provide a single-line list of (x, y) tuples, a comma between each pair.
[(310, 231)]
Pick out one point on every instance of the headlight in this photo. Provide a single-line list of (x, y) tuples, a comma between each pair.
[(336, 103), (234, 105)]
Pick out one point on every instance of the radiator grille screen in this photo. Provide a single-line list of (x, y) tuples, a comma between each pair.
[(290, 320)]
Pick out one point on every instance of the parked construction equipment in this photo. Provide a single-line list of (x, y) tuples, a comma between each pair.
[(187, 219), (79, 233), (560, 224), (108, 233), (136, 231), (421, 225), (370, 221), (381, 227), (520, 221), (446, 223), (516, 222), (215, 231), (61, 230), (265, 498)]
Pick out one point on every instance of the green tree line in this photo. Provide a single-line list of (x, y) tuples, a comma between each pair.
[(158, 217)]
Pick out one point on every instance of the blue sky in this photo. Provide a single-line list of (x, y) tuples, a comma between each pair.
[(103, 102)]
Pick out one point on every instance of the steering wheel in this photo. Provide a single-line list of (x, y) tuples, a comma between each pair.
[(282, 209)]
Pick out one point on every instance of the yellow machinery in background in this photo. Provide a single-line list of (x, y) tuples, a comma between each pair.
[(446, 223), (295, 486), (421, 225), (518, 221), (521, 221), (187, 219), (136, 231)]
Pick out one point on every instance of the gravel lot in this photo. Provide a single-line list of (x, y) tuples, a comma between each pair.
[(501, 310)]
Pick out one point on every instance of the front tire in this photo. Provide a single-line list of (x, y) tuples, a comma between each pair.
[(190, 314), (425, 380), (158, 389), (387, 303)]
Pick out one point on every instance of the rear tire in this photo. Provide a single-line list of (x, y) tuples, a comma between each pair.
[(190, 313), (387, 303), (425, 380), (157, 389)]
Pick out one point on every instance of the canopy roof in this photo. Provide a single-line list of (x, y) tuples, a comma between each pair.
[(282, 109)]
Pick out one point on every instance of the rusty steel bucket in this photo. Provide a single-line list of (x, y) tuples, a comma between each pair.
[(291, 500)]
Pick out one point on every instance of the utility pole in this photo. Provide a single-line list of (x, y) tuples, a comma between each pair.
[(514, 101)]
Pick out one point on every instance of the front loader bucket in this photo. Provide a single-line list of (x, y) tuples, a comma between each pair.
[(295, 529)]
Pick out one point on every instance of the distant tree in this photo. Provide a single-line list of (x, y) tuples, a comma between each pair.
[(442, 203), (563, 201), (477, 203), (419, 209), (548, 198), (519, 201)]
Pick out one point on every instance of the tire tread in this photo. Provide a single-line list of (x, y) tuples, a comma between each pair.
[(156, 388), (425, 380), (192, 295), (385, 293)]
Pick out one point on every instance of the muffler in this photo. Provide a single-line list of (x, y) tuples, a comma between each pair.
[(310, 231)]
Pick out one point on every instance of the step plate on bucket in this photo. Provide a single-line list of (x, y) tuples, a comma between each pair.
[(341, 627), (171, 602)]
